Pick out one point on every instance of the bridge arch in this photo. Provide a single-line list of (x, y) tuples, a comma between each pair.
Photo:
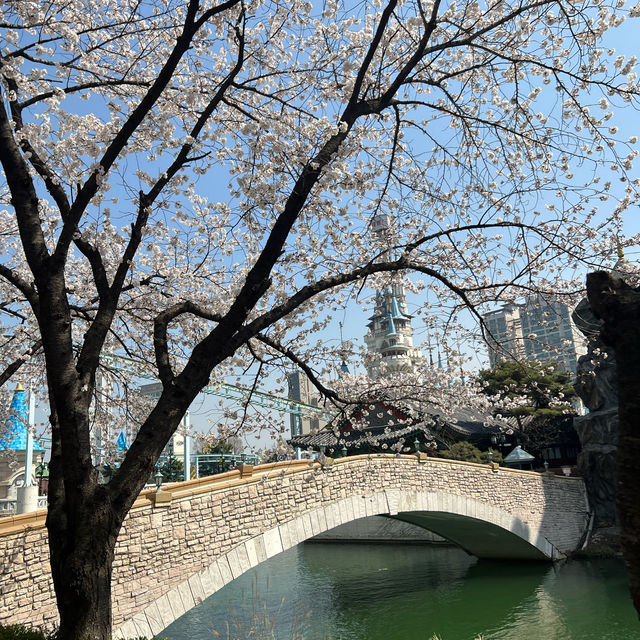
[(479, 528), (178, 546)]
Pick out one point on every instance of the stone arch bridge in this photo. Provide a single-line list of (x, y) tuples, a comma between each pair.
[(181, 545)]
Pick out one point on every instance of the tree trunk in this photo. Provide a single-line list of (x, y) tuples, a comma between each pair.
[(82, 538), (618, 305)]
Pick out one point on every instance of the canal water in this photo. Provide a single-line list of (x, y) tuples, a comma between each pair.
[(328, 591)]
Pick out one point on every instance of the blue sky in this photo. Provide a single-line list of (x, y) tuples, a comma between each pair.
[(351, 321), (353, 318)]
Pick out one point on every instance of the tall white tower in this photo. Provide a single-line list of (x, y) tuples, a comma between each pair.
[(389, 339)]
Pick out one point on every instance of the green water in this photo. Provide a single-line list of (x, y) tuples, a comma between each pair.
[(383, 592)]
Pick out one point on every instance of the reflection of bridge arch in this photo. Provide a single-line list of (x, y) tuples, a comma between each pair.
[(182, 545), (508, 515)]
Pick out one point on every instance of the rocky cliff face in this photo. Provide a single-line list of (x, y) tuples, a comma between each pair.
[(598, 430)]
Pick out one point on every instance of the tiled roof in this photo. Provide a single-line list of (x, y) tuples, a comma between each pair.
[(519, 455), (389, 422)]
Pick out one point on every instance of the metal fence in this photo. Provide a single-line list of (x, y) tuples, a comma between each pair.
[(209, 465)]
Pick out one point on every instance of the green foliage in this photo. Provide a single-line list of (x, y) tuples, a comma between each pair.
[(18, 632), (542, 420), (172, 470), (466, 452), (221, 447), (541, 384)]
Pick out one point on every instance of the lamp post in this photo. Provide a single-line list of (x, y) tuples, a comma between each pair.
[(40, 472), (344, 450), (158, 479), (416, 444), (170, 477)]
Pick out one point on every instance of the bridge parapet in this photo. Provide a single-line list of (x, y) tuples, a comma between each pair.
[(173, 553)]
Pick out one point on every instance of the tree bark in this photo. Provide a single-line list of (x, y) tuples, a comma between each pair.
[(82, 541), (618, 305)]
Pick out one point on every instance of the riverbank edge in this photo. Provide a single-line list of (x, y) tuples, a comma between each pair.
[(604, 542)]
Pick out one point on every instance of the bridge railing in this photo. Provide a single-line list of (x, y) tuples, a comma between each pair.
[(8, 506), (244, 473)]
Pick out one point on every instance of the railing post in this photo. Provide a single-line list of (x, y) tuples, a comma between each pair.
[(246, 470)]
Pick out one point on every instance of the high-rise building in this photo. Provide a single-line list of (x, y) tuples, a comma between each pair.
[(176, 445), (538, 329), (103, 429), (504, 335), (303, 392)]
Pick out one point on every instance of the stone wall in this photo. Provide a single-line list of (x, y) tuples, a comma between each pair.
[(172, 554)]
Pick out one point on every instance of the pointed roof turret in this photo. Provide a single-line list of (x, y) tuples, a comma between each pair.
[(396, 314), (391, 327), (17, 424)]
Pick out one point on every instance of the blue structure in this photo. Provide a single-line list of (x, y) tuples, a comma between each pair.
[(15, 436), (519, 459)]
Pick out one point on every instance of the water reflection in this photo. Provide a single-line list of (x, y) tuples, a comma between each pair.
[(385, 592)]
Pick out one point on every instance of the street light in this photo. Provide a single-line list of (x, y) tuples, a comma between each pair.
[(344, 450), (40, 471), (416, 444), (158, 478)]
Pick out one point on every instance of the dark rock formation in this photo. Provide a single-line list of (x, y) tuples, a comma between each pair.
[(598, 430)]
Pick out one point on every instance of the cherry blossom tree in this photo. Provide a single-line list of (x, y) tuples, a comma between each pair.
[(192, 186)]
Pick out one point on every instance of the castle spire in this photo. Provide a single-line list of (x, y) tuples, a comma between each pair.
[(389, 338)]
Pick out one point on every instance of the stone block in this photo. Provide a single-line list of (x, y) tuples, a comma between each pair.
[(306, 526), (234, 563), (185, 594), (272, 542), (246, 470), (164, 610), (142, 626), (162, 499), (315, 524), (126, 631), (393, 500), (329, 516), (197, 591), (225, 570), (285, 536), (260, 548), (175, 603), (154, 619), (207, 582), (252, 555)]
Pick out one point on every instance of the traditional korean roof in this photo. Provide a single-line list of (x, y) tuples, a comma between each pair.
[(372, 426)]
